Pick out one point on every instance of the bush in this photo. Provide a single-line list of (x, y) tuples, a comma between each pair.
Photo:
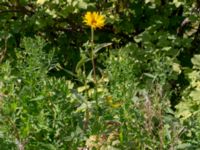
[(132, 84)]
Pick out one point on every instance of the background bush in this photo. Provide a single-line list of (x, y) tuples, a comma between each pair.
[(147, 88)]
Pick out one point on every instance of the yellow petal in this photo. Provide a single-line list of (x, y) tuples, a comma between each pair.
[(94, 20)]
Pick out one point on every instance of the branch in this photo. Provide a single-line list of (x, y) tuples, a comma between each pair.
[(9, 11), (3, 53)]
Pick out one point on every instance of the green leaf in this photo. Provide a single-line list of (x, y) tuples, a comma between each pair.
[(178, 3), (41, 97), (100, 46), (183, 110), (83, 60), (48, 146), (82, 4), (196, 60), (183, 146), (195, 95)]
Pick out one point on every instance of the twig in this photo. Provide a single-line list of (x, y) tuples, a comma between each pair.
[(3, 53)]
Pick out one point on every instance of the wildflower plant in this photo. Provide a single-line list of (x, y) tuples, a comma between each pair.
[(94, 20), (91, 81)]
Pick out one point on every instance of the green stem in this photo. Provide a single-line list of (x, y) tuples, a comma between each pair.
[(94, 71), (92, 55), (92, 36)]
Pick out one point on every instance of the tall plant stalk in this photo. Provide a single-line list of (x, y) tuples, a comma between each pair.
[(92, 55), (94, 73)]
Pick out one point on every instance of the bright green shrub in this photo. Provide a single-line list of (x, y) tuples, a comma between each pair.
[(36, 110), (188, 108), (139, 81)]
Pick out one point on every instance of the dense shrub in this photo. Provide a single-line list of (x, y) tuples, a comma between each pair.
[(133, 85)]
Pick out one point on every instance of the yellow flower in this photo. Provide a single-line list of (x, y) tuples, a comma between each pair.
[(94, 20)]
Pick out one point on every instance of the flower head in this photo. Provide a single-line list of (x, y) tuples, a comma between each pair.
[(94, 20)]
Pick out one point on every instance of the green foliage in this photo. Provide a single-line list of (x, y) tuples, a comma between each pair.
[(35, 108), (138, 82), (188, 108), (135, 87)]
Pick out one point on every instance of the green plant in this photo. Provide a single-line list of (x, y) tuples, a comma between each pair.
[(188, 108), (35, 108), (61, 90)]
